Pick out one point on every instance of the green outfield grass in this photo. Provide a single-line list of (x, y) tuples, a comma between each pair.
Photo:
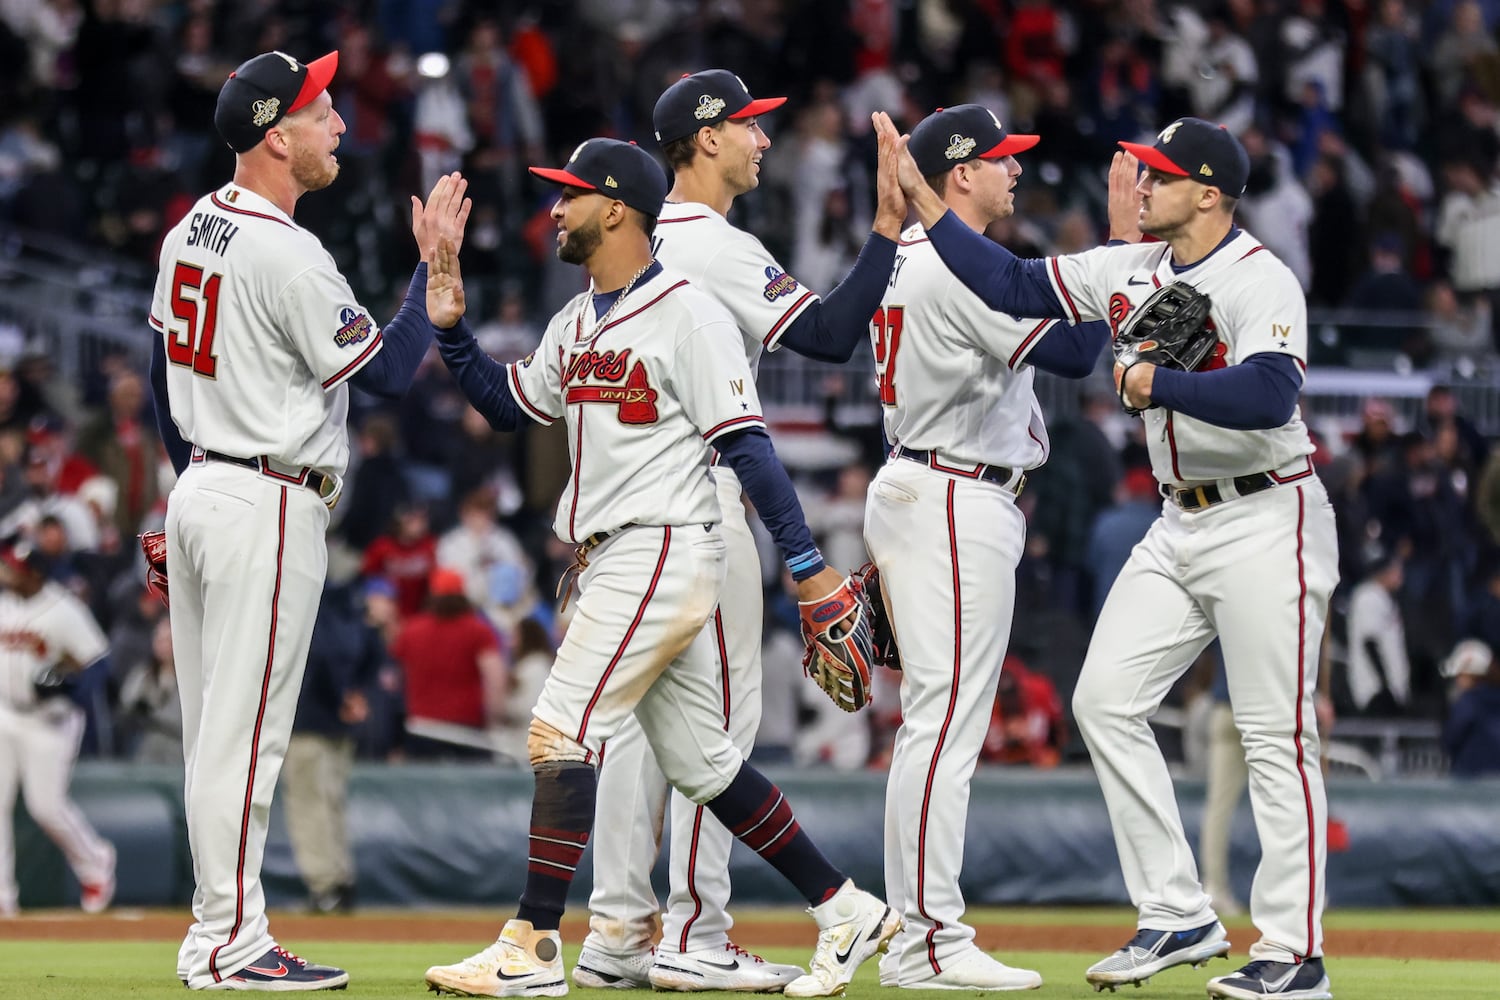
[(32, 970)]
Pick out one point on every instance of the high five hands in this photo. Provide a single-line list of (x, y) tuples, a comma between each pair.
[(439, 230)]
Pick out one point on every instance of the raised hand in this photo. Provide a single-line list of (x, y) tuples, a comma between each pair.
[(919, 195), (1124, 199), (445, 285), (444, 215), (890, 207)]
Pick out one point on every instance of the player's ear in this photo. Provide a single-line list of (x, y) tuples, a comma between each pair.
[(708, 139)]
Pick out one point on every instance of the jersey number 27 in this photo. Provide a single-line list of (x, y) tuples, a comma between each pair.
[(195, 301), (886, 325)]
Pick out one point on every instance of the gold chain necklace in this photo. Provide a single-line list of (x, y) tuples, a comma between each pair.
[(614, 307)]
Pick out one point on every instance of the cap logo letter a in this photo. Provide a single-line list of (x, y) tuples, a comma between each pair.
[(263, 112), (1168, 132), (291, 63)]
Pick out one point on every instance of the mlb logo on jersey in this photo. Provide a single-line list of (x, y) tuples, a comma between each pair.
[(354, 327), (778, 283)]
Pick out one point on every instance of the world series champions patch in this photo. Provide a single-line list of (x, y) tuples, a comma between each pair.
[(354, 327), (778, 283)]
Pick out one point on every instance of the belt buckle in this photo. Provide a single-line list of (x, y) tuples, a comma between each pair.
[(1020, 484), (331, 491)]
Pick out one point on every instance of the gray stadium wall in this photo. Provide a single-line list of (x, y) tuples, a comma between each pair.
[(456, 835)]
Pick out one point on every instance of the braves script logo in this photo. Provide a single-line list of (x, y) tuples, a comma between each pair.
[(354, 327), (22, 640), (635, 399), (778, 283), (1216, 357), (1119, 308)]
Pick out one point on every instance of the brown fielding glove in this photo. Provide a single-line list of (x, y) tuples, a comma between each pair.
[(1171, 329), (154, 545), (840, 650)]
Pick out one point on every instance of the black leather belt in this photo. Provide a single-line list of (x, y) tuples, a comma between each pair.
[(314, 481), (598, 537), (1201, 497), (1000, 475)]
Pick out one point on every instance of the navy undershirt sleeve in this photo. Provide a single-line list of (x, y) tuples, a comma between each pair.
[(750, 454), (404, 343), (483, 379), (1259, 394), (1004, 282), (179, 452), (831, 329), (1070, 351)]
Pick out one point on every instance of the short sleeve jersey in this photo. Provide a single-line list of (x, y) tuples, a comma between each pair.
[(643, 397), (951, 372), (262, 334), (736, 269), (1258, 307), (40, 632)]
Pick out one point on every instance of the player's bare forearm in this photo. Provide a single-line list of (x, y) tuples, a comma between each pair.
[(444, 215), (1124, 200)]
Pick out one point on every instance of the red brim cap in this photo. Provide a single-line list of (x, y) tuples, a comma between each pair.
[(319, 74), (1011, 145), (562, 177), (759, 107), (1153, 157)]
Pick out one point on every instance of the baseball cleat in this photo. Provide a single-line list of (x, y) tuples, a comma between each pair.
[(95, 897), (1150, 952), (729, 968), (1287, 980), (979, 971), (600, 970), (852, 926), (279, 971), (523, 962)]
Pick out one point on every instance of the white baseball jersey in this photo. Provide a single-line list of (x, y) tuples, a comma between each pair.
[(643, 397), (1258, 307), (951, 370), (736, 269), (38, 633), (262, 333)]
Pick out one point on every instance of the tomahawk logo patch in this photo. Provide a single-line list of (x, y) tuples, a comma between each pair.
[(354, 327)]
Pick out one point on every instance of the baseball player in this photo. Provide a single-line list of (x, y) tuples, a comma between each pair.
[(1245, 551), (47, 635), (941, 523), (647, 373), (709, 129), (259, 338)]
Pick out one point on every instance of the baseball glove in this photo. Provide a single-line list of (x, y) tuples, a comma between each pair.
[(1171, 329), (154, 545), (840, 645), (866, 581)]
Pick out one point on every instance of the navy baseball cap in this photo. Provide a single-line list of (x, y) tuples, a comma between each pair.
[(615, 169), (950, 136), (265, 90), (705, 98), (1192, 147)]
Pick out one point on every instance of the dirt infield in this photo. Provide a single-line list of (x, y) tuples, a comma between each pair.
[(136, 925)]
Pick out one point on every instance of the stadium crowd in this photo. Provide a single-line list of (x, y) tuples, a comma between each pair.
[(1374, 136)]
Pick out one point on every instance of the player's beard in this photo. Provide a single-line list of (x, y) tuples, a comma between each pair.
[(312, 168), (581, 243)]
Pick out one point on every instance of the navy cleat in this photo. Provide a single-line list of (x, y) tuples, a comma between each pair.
[(1288, 980), (278, 970), (1150, 952)]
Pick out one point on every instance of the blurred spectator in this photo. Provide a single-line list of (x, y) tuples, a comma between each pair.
[(406, 556), (502, 114), (1464, 53), (838, 519), (1224, 88), (1391, 82), (481, 459), (455, 676), (1027, 725), (1275, 207), (124, 445), (532, 662), (1441, 411), (1458, 331), (496, 571), (440, 122), (1376, 441), (1468, 225), (1387, 291), (1379, 671), (343, 660), (1471, 734), (1117, 529), (509, 336), (150, 724), (1332, 251), (1078, 483), (378, 485)]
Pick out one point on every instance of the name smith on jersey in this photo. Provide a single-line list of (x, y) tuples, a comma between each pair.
[(211, 232)]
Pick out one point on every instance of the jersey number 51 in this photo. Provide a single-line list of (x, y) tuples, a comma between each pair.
[(195, 301)]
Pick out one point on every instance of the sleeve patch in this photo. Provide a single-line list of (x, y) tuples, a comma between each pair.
[(778, 283), (354, 327)]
